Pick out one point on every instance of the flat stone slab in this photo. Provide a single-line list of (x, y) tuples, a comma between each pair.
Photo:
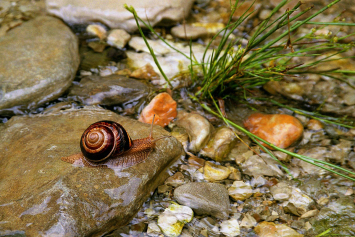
[(38, 62), (40, 195), (113, 14), (109, 90)]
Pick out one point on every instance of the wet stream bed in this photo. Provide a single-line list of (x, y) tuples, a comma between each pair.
[(58, 76)]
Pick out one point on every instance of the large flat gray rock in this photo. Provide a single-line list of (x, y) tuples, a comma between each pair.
[(40, 195)]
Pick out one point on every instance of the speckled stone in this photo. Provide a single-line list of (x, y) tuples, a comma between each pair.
[(204, 198)]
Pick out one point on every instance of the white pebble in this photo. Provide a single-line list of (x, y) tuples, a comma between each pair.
[(230, 228), (173, 219)]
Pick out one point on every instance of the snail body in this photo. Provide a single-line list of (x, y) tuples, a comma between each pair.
[(107, 144)]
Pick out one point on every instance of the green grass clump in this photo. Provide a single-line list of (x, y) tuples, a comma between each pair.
[(268, 56)]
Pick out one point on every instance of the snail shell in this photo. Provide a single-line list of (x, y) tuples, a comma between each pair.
[(107, 144), (104, 139)]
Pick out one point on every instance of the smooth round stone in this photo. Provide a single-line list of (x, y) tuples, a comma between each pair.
[(204, 198), (198, 128), (220, 144), (38, 62), (282, 130)]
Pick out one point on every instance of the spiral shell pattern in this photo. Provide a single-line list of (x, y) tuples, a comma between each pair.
[(104, 139)]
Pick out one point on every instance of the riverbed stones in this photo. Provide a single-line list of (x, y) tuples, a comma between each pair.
[(38, 62), (114, 15), (204, 198), (282, 130), (63, 199), (109, 90)]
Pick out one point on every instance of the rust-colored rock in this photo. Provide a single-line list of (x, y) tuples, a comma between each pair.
[(164, 108), (267, 229), (279, 129)]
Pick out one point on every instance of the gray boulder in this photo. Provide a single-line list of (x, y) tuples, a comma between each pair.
[(38, 62)]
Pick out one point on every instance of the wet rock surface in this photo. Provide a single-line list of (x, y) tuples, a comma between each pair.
[(338, 215), (65, 200), (266, 201), (38, 62), (113, 13), (204, 198), (109, 90)]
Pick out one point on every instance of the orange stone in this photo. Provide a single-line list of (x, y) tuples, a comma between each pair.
[(279, 129), (164, 108)]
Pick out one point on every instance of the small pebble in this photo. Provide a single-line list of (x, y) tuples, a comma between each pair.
[(282, 130), (240, 191), (197, 127), (213, 172), (96, 30), (118, 38), (270, 229), (220, 144), (176, 180), (281, 192), (248, 221), (204, 198), (173, 219), (309, 214), (196, 162), (153, 229), (164, 108), (235, 174), (314, 124), (146, 73), (230, 227)]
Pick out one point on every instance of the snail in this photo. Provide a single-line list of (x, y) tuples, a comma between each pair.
[(106, 144)]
